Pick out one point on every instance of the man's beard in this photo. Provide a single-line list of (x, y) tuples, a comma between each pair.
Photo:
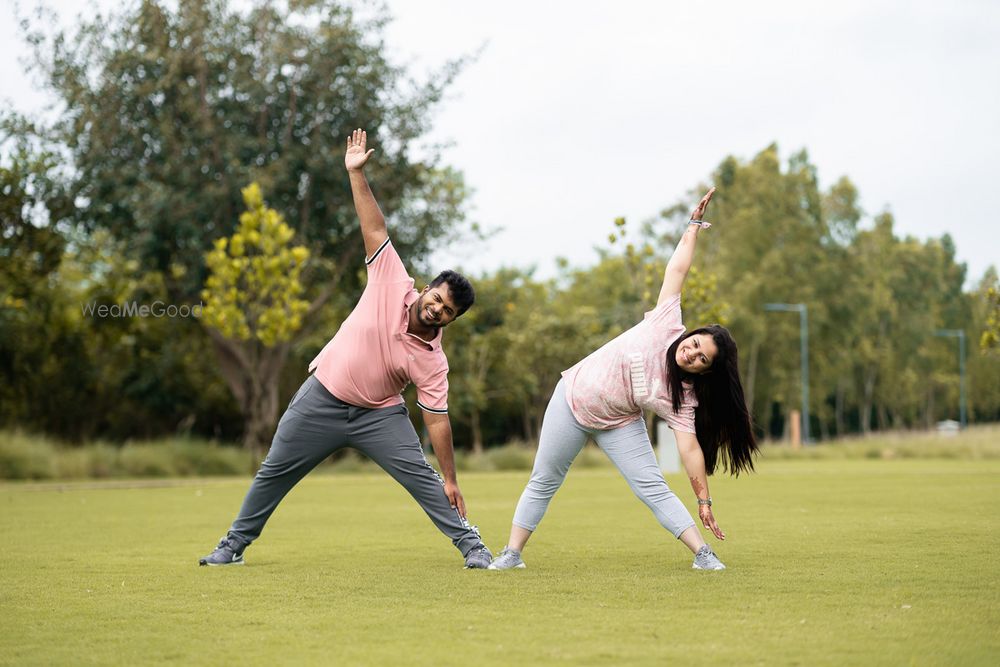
[(424, 317)]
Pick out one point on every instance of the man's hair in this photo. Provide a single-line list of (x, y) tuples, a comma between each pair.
[(460, 288)]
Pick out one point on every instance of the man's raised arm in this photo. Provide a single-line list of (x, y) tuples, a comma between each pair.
[(372, 221)]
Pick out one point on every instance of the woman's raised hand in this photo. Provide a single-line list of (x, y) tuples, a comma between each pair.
[(699, 211)]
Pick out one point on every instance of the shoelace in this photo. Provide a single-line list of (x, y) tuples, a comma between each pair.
[(224, 543)]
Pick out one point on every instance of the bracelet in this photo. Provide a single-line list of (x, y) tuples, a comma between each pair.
[(700, 223), (706, 501)]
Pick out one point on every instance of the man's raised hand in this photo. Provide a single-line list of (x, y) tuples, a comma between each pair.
[(357, 150)]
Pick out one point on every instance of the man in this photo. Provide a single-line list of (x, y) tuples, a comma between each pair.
[(392, 338)]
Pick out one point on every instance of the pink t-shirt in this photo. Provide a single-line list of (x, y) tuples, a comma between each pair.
[(613, 385), (372, 358)]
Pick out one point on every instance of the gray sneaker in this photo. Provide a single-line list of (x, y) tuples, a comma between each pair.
[(706, 559), (479, 558), (229, 552), (508, 560)]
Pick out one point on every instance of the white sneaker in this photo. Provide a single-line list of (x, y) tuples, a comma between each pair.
[(507, 559), (706, 559)]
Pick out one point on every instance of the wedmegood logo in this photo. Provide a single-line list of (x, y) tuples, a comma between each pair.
[(136, 309)]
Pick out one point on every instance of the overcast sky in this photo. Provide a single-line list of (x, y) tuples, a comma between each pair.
[(576, 113)]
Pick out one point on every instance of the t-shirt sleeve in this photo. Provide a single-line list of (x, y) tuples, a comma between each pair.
[(432, 391), (385, 266), (683, 420), (667, 315)]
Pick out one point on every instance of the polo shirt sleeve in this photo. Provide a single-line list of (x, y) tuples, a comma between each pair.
[(667, 315), (385, 266), (432, 391)]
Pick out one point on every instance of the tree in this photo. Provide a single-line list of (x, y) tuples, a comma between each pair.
[(876, 310), (67, 370), (984, 368), (771, 245), (253, 310), (486, 381), (32, 206), (990, 295), (168, 112)]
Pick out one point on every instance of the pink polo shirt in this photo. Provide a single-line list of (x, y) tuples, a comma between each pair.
[(613, 385), (372, 358)]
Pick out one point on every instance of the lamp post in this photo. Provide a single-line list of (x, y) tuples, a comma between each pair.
[(803, 354), (960, 335)]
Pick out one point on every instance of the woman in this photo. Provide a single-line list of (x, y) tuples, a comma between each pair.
[(689, 379)]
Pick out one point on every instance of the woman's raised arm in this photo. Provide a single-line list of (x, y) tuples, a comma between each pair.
[(680, 261)]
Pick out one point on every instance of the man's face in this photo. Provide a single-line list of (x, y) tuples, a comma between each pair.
[(435, 307), (696, 353)]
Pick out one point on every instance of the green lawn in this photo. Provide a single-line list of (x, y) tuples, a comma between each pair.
[(830, 562)]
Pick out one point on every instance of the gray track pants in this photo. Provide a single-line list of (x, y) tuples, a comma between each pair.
[(315, 425), (629, 449)]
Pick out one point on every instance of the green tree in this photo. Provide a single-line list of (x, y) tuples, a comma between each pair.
[(32, 207), (486, 381), (139, 376), (68, 370), (984, 368), (990, 296), (771, 245), (842, 213), (170, 108), (875, 313), (253, 310)]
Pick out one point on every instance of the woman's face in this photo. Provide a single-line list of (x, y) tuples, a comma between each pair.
[(697, 353)]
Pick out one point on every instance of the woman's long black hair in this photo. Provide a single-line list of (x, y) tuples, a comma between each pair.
[(721, 419)]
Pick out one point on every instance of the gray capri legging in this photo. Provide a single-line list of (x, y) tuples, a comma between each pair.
[(627, 446)]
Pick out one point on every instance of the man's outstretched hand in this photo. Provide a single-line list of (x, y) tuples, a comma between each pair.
[(357, 150), (455, 497)]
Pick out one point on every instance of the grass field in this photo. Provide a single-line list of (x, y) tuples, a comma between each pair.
[(830, 562)]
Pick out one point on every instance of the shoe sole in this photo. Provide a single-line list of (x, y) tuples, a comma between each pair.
[(201, 563), (519, 566), (708, 569)]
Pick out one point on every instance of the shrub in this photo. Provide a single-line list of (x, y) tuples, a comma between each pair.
[(515, 455), (200, 457), (98, 460), (593, 457), (26, 457), (36, 457), (351, 460), (146, 460)]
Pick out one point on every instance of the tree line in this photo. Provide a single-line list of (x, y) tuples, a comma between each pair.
[(875, 303), (139, 191)]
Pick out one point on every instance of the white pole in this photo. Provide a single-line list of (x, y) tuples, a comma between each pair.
[(666, 448)]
